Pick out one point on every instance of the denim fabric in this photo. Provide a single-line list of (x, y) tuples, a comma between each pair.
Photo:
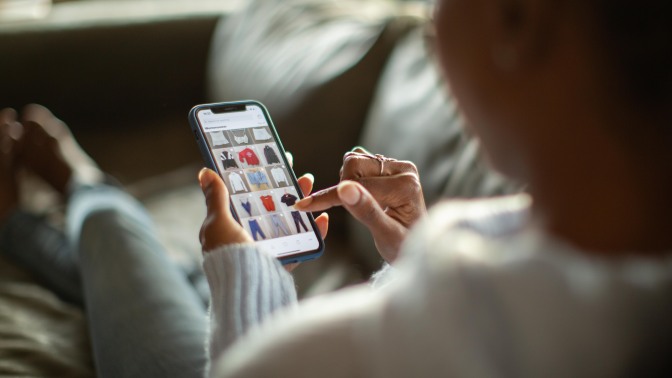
[(279, 226), (298, 221), (145, 318), (257, 178), (256, 229)]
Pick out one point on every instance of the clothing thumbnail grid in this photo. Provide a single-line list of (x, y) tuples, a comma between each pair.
[(259, 183)]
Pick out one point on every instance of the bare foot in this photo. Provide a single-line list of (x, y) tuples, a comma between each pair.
[(10, 137), (50, 150)]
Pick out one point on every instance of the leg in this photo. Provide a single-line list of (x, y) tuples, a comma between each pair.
[(280, 226), (253, 228), (297, 219), (32, 243), (276, 226), (256, 229), (26, 239), (145, 319), (283, 225), (261, 231), (302, 223), (10, 136)]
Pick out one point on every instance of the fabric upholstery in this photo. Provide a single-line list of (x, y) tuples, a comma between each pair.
[(40, 335), (314, 64)]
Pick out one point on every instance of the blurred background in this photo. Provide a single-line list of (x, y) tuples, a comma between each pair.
[(111, 66)]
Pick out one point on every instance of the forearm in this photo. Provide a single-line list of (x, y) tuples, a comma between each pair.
[(247, 286)]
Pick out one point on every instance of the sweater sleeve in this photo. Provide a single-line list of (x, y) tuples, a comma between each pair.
[(247, 286), (383, 277)]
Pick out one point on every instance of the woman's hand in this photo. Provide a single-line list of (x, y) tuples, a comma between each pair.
[(220, 227), (382, 193)]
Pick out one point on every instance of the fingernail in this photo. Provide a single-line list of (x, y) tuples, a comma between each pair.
[(349, 193), (205, 178), (309, 176), (303, 202)]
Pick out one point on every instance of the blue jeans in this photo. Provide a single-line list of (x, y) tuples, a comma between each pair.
[(255, 228), (298, 220), (146, 319), (279, 226)]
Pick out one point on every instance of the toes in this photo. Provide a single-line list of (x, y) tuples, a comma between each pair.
[(7, 115), (10, 135), (36, 113), (10, 132), (15, 131), (44, 119), (51, 151)]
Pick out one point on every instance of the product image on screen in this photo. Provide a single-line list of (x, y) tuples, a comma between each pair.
[(260, 182)]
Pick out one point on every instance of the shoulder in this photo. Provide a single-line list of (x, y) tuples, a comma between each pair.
[(523, 299), (466, 229), (491, 217)]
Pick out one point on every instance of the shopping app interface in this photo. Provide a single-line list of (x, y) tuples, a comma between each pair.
[(260, 185)]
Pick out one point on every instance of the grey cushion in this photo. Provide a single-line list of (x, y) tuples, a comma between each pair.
[(40, 336), (314, 64)]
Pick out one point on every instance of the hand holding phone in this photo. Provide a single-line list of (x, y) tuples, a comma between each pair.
[(219, 226), (240, 143)]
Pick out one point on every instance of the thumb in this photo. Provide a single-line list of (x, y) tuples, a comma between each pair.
[(216, 194), (219, 226)]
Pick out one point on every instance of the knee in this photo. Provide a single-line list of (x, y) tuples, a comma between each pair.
[(113, 230)]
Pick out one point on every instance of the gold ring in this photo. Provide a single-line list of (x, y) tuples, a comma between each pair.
[(381, 159)]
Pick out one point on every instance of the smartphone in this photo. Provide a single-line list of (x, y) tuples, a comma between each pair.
[(238, 141)]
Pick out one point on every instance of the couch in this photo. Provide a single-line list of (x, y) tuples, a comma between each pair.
[(333, 74)]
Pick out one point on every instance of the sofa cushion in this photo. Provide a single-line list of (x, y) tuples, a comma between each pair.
[(314, 64), (110, 62), (40, 335)]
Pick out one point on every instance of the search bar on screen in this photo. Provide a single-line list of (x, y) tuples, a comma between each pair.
[(231, 120)]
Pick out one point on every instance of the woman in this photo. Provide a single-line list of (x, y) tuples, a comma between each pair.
[(572, 279)]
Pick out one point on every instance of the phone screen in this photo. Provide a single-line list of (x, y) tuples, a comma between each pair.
[(263, 189)]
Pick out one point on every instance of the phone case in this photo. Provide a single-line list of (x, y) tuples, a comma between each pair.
[(210, 163)]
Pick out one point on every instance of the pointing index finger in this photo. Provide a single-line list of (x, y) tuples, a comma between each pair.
[(319, 201)]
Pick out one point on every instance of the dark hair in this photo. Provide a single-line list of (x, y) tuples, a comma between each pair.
[(637, 37)]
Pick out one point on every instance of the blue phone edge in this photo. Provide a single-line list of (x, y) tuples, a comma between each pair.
[(210, 163)]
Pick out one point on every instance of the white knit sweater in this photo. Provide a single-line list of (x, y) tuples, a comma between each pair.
[(474, 295)]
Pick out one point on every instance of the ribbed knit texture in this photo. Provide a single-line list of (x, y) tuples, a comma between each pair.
[(247, 286)]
